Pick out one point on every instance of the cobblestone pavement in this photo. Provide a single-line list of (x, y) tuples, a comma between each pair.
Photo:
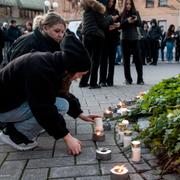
[(50, 160)]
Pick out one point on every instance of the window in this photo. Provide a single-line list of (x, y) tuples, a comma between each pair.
[(162, 3), (163, 23), (149, 3)]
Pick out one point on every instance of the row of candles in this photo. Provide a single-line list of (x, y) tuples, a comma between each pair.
[(119, 172)]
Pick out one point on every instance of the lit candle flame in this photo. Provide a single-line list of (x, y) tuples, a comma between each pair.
[(98, 133), (119, 169)]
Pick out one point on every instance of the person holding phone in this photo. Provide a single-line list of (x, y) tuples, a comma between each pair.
[(130, 20)]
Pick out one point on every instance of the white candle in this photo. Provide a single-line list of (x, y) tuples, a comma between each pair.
[(108, 113), (126, 122), (119, 173), (121, 129), (122, 111), (136, 151), (127, 138), (98, 124)]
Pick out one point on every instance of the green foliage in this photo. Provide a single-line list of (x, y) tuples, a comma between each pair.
[(162, 104)]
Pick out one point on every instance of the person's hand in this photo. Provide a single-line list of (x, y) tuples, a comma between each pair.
[(88, 118), (132, 19), (115, 17), (73, 144)]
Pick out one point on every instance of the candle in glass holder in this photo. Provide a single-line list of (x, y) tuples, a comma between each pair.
[(126, 122), (127, 138), (103, 154), (98, 124), (98, 135), (122, 111), (121, 104), (136, 151), (119, 173), (121, 129), (108, 113)]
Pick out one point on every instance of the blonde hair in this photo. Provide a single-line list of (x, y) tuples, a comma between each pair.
[(37, 21), (51, 19)]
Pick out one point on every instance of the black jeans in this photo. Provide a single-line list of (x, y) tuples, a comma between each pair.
[(132, 47), (107, 63), (154, 51), (94, 46)]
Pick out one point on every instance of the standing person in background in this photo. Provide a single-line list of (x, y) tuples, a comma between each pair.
[(112, 38), (154, 36), (177, 44), (130, 20), (28, 27), (13, 32), (144, 43), (93, 25), (162, 44), (170, 39)]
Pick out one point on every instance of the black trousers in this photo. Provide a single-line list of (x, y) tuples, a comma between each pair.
[(177, 52), (94, 46), (154, 51), (107, 63), (1, 55), (132, 47)]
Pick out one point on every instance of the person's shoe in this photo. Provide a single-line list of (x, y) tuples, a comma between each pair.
[(16, 139), (103, 84), (110, 84), (152, 63), (94, 87), (140, 82), (128, 82), (83, 85)]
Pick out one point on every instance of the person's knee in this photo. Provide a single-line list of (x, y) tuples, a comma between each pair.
[(62, 105)]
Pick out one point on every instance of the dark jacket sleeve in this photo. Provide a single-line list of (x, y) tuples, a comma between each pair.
[(41, 97), (2, 39), (74, 105)]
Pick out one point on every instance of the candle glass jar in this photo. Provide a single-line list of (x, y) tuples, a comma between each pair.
[(98, 136), (127, 138), (121, 129), (136, 151), (98, 124)]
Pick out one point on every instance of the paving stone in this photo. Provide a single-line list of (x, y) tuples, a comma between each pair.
[(151, 175), (171, 177), (105, 168), (141, 167), (7, 148), (116, 158), (148, 156), (35, 174), (84, 137), (2, 157), (11, 170), (94, 178), (153, 163), (88, 156), (50, 162), (61, 179), (109, 140), (74, 171), (29, 155), (45, 143), (84, 129), (135, 177)]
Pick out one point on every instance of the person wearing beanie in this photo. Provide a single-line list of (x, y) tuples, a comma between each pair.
[(31, 95)]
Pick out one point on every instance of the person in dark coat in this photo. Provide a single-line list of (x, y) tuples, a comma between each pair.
[(154, 36), (130, 20), (177, 44), (93, 25), (45, 38), (13, 32), (112, 38), (162, 42), (29, 95)]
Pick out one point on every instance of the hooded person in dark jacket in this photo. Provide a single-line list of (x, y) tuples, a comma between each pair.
[(154, 36), (94, 24), (29, 90)]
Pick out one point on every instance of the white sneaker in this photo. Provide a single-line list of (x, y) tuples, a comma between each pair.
[(22, 147)]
